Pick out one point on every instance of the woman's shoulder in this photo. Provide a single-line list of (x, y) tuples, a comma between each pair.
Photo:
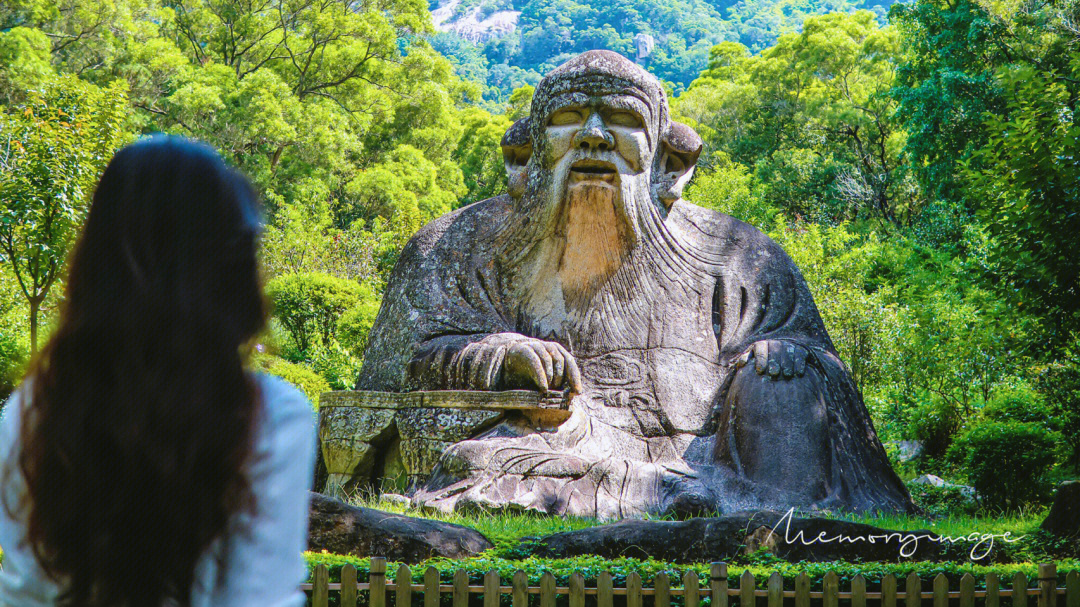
[(284, 405)]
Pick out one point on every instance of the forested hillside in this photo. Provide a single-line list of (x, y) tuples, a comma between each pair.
[(922, 173), (506, 44)]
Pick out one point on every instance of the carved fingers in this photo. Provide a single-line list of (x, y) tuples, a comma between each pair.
[(543, 364), (779, 359), (511, 360)]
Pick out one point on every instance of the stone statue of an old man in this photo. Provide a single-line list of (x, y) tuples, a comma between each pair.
[(700, 375)]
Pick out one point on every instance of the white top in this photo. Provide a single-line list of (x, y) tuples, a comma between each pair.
[(266, 565)]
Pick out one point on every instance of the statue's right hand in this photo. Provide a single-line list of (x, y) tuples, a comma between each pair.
[(512, 360)]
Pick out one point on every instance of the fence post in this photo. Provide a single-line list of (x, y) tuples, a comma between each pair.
[(967, 590), (718, 584), (691, 594), (633, 590), (831, 586), (913, 591), (461, 588), (776, 590), (402, 587), (1048, 585), (577, 590), (377, 582), (747, 585), (941, 591), (993, 585), (320, 587), (520, 589), (662, 590), (491, 589), (802, 590), (431, 587), (888, 591), (547, 590), (605, 589), (1072, 589), (1019, 590), (348, 586), (858, 591)]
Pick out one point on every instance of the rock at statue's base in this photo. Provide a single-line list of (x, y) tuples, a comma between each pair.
[(722, 538), (1064, 517), (342, 529), (394, 440)]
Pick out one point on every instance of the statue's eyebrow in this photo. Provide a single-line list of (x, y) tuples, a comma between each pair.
[(627, 102), (565, 100)]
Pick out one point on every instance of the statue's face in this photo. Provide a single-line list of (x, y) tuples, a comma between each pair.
[(597, 140)]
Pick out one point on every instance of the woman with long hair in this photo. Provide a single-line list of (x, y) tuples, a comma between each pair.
[(140, 463)]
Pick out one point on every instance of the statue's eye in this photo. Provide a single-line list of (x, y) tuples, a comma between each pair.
[(624, 118), (565, 117)]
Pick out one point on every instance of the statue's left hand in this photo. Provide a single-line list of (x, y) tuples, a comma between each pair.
[(780, 359)]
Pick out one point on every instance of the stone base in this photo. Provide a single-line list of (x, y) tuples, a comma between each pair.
[(392, 441)]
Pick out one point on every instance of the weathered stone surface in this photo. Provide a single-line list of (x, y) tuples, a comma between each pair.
[(1064, 517), (361, 431), (363, 424), (420, 456), (348, 437), (444, 424), (719, 539), (342, 529), (698, 371)]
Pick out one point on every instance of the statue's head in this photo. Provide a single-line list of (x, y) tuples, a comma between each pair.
[(601, 121)]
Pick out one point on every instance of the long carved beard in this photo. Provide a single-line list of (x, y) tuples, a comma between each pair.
[(597, 233), (566, 242)]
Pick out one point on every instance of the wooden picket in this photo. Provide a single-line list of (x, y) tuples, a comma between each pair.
[(1044, 590)]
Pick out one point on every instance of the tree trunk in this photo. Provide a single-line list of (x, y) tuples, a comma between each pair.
[(35, 304)]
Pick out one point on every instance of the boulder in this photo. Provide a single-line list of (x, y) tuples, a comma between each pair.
[(787, 536), (1064, 517), (343, 529), (908, 450), (937, 481)]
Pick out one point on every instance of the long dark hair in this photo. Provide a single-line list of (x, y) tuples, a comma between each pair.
[(139, 428)]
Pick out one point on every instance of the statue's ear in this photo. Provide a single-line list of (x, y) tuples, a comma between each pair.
[(516, 148), (679, 148)]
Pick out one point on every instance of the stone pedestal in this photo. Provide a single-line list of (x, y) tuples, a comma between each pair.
[(392, 441)]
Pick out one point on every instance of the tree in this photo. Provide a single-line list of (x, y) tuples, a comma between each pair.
[(1028, 178), (52, 150), (812, 117), (945, 84)]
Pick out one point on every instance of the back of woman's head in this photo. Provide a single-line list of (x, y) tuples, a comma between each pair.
[(140, 422)]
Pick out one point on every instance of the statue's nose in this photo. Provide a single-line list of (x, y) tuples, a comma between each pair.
[(594, 135)]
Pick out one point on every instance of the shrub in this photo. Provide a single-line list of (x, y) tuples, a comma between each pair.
[(309, 382), (339, 368), (940, 501), (355, 324), (1023, 406), (13, 359), (308, 305), (934, 422), (1061, 386), (1007, 462)]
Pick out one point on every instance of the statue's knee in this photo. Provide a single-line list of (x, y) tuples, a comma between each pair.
[(779, 428)]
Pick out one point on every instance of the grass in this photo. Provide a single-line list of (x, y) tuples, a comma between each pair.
[(502, 526), (508, 529)]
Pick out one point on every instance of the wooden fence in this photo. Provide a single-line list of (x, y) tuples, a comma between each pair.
[(1045, 592)]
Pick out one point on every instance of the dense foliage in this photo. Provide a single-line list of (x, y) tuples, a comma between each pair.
[(922, 174)]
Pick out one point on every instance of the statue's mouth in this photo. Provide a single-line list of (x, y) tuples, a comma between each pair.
[(593, 171)]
